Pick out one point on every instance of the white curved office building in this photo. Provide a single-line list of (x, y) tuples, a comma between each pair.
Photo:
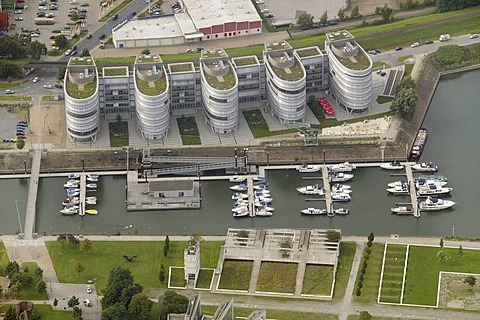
[(219, 91), (151, 97), (350, 68), (285, 82), (82, 99)]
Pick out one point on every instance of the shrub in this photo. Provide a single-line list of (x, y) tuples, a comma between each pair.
[(358, 292)]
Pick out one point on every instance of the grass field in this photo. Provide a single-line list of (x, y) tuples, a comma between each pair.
[(318, 280), (393, 273), (29, 291), (372, 275), (347, 253), (118, 133), (3, 259), (242, 313), (236, 275), (277, 277), (108, 254), (46, 312), (423, 269), (408, 69), (189, 130), (258, 126), (204, 279), (177, 278)]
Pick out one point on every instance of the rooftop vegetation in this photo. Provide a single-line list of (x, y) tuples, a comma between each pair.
[(87, 61), (277, 46), (340, 35), (213, 53), (159, 86), (295, 72), (112, 72), (224, 82), (302, 53), (74, 90), (181, 67), (359, 62), (246, 61)]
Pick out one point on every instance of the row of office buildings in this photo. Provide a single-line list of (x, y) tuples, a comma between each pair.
[(217, 86)]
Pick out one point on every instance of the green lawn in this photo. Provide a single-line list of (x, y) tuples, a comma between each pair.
[(107, 255), (423, 269), (29, 292), (9, 97), (408, 69), (177, 278), (277, 277), (274, 314), (393, 273), (318, 280), (378, 64), (347, 253), (191, 140), (381, 100), (46, 312), (403, 58), (204, 279), (236, 275), (189, 130), (118, 133), (3, 259), (258, 126), (372, 275)]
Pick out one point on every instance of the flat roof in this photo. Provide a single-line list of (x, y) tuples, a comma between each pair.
[(245, 61), (165, 26), (308, 52), (181, 67), (206, 13), (168, 185), (115, 71), (339, 35), (185, 23)]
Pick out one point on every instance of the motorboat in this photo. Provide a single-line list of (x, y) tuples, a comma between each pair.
[(267, 208), (261, 203), (240, 214), (311, 190), (399, 190), (260, 186), (433, 190), (313, 211), (263, 199), (72, 193), (422, 182), (264, 192), (237, 179), (240, 203), (340, 188), (91, 202), (239, 196), (71, 184), (91, 185), (341, 211), (239, 187), (93, 177), (341, 197), (425, 167), (72, 189), (419, 143), (402, 210), (71, 206), (92, 198), (258, 179), (395, 165), (334, 176), (75, 200), (73, 176), (343, 167), (69, 211), (435, 204), (91, 211), (435, 177), (309, 168), (263, 213), (399, 183)]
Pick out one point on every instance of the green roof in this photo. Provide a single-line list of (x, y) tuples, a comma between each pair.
[(181, 67), (245, 61), (271, 46), (111, 72), (147, 58), (152, 88), (213, 53), (358, 62), (74, 91), (224, 82), (339, 35), (293, 73), (302, 53), (87, 61)]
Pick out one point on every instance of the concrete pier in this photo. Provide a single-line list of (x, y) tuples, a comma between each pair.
[(412, 189), (32, 195), (83, 191), (251, 196), (328, 191)]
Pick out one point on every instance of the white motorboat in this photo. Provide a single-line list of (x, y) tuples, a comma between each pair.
[(258, 179), (93, 177), (69, 211), (334, 176), (89, 179), (72, 194), (399, 190), (343, 167), (309, 168), (311, 190), (261, 186), (264, 192), (92, 198), (263, 213), (435, 204), (313, 211), (91, 185), (435, 177), (341, 197), (91, 202), (240, 203), (399, 183), (267, 208), (392, 166), (241, 214), (422, 182), (237, 179), (425, 167), (75, 200), (433, 190), (72, 184), (73, 176), (261, 203), (239, 187), (71, 206), (340, 188), (263, 199), (72, 189), (341, 211), (402, 210), (240, 208), (239, 196)]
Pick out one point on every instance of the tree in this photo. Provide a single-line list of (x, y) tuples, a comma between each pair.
[(305, 21), (405, 100), (165, 250), (355, 13), (167, 242), (73, 302), (145, 51), (55, 302), (73, 240), (10, 70), (61, 41), (12, 268), (20, 144), (74, 16), (172, 303), (85, 53), (86, 246), (77, 313), (371, 237), (116, 311), (441, 242), (79, 267), (140, 307), (41, 287), (11, 46), (324, 17), (364, 315), (36, 49), (450, 5), (16, 288), (34, 315), (11, 313), (333, 236), (358, 292), (470, 280), (38, 272), (120, 288), (61, 75), (341, 15), (386, 12), (161, 275), (285, 247), (441, 256)]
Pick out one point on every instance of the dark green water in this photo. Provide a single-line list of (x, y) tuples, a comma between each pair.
[(452, 122)]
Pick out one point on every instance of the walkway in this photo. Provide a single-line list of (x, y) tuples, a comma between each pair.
[(32, 194), (347, 299)]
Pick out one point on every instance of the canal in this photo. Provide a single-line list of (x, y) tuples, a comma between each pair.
[(452, 122)]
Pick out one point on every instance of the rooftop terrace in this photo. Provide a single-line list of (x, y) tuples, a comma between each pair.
[(221, 82), (181, 67), (148, 58), (87, 61), (292, 73), (245, 61), (339, 35), (81, 91), (213, 53), (152, 88), (272, 46)]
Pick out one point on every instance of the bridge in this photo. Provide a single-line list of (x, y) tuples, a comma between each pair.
[(32, 195)]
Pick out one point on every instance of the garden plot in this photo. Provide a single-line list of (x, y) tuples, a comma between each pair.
[(393, 273), (318, 280), (236, 275), (277, 277)]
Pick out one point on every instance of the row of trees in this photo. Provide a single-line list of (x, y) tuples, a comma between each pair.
[(405, 100), (363, 269), (451, 5)]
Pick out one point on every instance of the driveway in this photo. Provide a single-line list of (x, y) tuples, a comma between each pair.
[(64, 291)]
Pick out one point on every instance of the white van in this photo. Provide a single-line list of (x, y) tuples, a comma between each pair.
[(264, 10), (87, 303)]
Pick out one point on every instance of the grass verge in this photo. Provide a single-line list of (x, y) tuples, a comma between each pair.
[(47, 98), (236, 275), (277, 277), (381, 100), (379, 64), (3, 259), (15, 98), (28, 291), (243, 313), (347, 253), (408, 69), (403, 58), (393, 273), (204, 279), (318, 280), (258, 126), (372, 275), (177, 278), (118, 133)]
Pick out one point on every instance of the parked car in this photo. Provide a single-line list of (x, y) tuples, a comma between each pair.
[(89, 289), (48, 86), (398, 48), (269, 16), (87, 303), (18, 11), (36, 79), (414, 45), (429, 42), (41, 14), (18, 19), (84, 4), (189, 50), (58, 86), (102, 36), (333, 23), (378, 50), (9, 91), (474, 36), (89, 36), (372, 52), (114, 17)]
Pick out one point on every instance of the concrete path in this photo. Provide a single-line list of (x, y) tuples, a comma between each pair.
[(347, 299), (254, 278), (300, 274), (32, 194)]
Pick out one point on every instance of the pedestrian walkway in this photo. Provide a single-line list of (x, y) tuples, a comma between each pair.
[(32, 194), (347, 299)]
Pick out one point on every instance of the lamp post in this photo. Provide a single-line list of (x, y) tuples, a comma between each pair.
[(324, 156), (25, 165), (268, 159), (83, 164)]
